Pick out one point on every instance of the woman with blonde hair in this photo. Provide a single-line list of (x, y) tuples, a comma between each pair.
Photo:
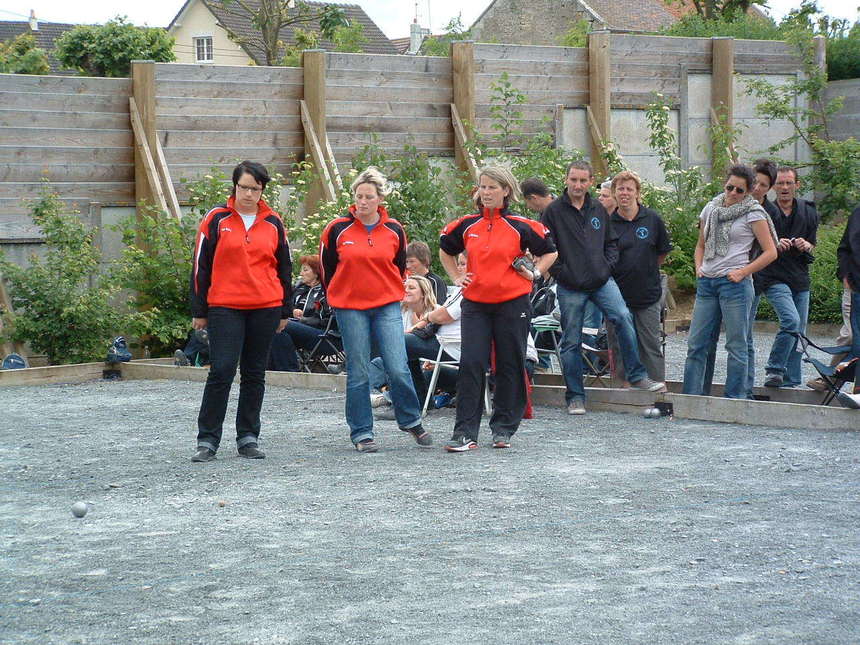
[(495, 304), (363, 257)]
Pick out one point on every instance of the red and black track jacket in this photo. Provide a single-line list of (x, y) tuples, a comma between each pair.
[(493, 239), (238, 269), (362, 270)]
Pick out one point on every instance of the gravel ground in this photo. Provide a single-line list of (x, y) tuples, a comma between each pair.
[(606, 528)]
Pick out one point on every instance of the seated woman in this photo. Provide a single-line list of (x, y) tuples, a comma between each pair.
[(425, 326), (310, 315)]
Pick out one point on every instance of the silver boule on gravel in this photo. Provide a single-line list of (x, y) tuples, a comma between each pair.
[(655, 413), (79, 509), (647, 413)]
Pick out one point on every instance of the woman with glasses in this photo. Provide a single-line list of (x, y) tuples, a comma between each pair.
[(363, 257), (729, 225), (240, 291)]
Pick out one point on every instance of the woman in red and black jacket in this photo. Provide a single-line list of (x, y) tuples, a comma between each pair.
[(240, 291), (363, 258), (495, 309)]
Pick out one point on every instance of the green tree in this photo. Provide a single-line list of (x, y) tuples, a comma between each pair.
[(20, 55), (63, 308), (441, 45), (577, 35), (107, 50), (713, 9), (349, 38), (269, 17)]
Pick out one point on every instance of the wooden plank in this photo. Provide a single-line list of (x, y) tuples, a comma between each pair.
[(533, 82), (230, 123), (388, 124), (240, 139), (660, 57), (463, 100), (226, 90), (722, 87), (387, 62), (644, 70), (460, 140), (194, 106), (515, 67), (239, 74), (356, 140), (73, 171), (53, 374), (641, 100), (54, 119), (387, 108), (637, 85), (107, 192), (676, 44), (317, 154), (599, 92), (528, 125), (541, 97), (530, 112), (534, 53), (166, 181), (65, 84), (144, 156), (50, 155), (387, 79), (65, 137), (115, 103), (205, 157), (194, 171), (394, 94)]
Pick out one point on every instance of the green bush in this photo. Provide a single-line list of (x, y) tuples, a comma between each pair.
[(843, 55), (63, 307), (20, 55)]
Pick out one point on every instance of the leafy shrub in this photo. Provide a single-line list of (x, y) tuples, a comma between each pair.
[(20, 55), (63, 308)]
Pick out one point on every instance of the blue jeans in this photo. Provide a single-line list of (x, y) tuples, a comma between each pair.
[(792, 309), (283, 357), (573, 305), (719, 299), (384, 326)]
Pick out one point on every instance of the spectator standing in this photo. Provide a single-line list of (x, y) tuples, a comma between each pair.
[(418, 263), (785, 282), (848, 256), (587, 253), (363, 256), (606, 198), (643, 243), (240, 292), (495, 308), (729, 224)]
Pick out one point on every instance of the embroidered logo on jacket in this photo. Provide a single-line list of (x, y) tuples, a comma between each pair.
[(226, 229), (642, 232), (595, 223)]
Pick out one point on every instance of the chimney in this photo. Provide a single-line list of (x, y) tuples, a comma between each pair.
[(34, 24), (417, 34)]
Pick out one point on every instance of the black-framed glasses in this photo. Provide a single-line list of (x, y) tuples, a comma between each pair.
[(730, 188), (250, 189)]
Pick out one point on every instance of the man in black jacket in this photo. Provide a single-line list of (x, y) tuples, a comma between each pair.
[(785, 282), (848, 256), (587, 252)]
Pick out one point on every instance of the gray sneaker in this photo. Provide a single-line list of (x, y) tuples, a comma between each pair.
[(576, 406), (501, 441), (366, 445), (773, 379), (649, 385), (421, 436), (180, 359)]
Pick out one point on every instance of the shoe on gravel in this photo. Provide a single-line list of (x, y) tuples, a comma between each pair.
[(576, 406), (366, 445), (459, 443), (421, 436), (203, 454), (501, 441), (649, 385), (250, 451), (773, 379), (180, 359)]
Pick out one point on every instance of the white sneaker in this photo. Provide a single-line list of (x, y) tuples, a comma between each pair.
[(378, 401), (649, 385)]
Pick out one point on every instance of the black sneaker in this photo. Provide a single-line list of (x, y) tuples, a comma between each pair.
[(366, 445), (773, 379), (501, 441), (250, 451), (458, 443), (421, 436), (203, 454)]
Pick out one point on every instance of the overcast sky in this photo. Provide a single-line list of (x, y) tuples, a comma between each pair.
[(392, 16)]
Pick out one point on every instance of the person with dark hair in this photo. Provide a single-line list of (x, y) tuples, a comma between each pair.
[(495, 305), (785, 282), (729, 225), (848, 258), (363, 257), (536, 195), (587, 253), (418, 263), (309, 316), (240, 292)]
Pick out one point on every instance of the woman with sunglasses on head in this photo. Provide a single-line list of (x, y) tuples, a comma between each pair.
[(728, 226), (240, 290)]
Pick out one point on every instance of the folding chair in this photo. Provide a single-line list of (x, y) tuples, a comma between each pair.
[(437, 363), (598, 370), (833, 377), (547, 324), (327, 354)]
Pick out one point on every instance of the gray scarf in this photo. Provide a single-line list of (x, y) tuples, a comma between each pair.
[(720, 219)]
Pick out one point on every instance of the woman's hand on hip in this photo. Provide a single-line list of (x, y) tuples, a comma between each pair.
[(464, 280), (199, 323), (737, 275)]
